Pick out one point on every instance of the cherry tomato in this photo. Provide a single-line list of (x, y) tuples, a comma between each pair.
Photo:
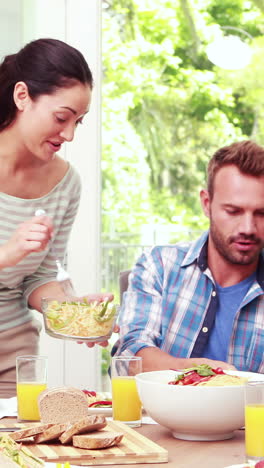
[(218, 370)]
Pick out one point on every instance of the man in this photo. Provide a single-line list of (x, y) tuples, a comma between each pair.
[(203, 302)]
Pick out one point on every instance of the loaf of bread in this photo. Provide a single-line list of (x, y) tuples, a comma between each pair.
[(29, 431), (52, 433), (97, 440), (62, 405), (85, 425)]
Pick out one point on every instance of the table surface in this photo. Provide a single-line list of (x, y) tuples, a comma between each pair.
[(193, 454), (190, 454)]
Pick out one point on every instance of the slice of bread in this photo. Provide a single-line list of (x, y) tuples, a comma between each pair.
[(97, 440), (88, 424), (29, 431), (62, 404), (53, 432)]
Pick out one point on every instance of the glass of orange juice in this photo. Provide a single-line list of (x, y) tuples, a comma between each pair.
[(254, 421), (125, 400), (31, 380)]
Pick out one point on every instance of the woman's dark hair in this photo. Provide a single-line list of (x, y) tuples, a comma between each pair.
[(44, 65)]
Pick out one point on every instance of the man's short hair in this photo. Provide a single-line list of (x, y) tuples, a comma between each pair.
[(246, 155)]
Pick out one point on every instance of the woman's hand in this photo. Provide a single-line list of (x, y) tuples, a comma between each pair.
[(100, 298), (31, 236), (104, 344)]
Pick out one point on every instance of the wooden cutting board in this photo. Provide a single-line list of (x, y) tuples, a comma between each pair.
[(134, 448)]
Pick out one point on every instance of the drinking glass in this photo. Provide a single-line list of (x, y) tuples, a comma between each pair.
[(254, 421), (125, 400), (31, 380)]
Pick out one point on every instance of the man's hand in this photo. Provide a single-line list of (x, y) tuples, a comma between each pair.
[(156, 359), (212, 363)]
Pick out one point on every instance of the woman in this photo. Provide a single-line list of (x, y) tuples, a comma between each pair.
[(45, 92)]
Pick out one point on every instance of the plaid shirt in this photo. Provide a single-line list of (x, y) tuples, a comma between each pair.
[(171, 303)]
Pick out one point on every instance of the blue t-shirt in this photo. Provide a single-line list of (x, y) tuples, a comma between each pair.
[(229, 299)]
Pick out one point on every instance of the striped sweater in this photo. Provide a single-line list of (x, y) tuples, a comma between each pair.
[(17, 282)]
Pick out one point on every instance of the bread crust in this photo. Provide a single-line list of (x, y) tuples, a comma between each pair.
[(29, 432), (51, 433), (99, 440), (89, 424)]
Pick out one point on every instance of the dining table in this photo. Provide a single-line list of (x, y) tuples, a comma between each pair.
[(196, 454), (188, 453)]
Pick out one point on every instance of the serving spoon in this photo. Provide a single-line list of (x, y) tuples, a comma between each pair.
[(63, 276)]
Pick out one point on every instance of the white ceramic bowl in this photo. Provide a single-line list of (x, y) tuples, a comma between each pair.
[(193, 412)]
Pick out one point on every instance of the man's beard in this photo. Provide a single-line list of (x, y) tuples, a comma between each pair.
[(224, 246)]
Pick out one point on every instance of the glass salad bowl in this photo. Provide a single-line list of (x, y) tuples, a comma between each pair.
[(79, 320)]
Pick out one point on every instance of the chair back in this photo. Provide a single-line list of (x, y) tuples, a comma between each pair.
[(123, 282)]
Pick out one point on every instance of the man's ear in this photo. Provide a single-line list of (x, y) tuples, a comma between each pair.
[(21, 95), (205, 202)]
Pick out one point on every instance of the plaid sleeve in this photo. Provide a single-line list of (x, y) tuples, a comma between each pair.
[(140, 317)]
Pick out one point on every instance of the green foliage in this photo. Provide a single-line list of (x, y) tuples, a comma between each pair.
[(105, 359), (166, 108)]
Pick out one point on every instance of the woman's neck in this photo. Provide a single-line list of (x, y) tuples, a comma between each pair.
[(13, 154)]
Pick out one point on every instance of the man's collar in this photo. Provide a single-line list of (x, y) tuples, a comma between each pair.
[(198, 252), (260, 271)]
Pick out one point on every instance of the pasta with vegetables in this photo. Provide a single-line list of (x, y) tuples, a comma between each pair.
[(81, 319), (206, 376)]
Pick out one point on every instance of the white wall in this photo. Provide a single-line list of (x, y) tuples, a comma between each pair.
[(10, 26), (78, 23), (39, 22), (83, 30)]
